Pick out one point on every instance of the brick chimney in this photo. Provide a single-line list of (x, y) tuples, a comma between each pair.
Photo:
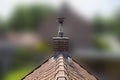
[(60, 43)]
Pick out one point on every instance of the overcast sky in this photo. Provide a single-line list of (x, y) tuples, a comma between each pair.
[(86, 7)]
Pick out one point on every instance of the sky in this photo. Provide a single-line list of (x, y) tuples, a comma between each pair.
[(87, 7)]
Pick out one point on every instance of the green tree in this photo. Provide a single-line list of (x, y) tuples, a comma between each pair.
[(28, 18), (99, 24), (117, 23)]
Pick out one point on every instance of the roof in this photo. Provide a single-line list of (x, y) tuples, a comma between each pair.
[(59, 68)]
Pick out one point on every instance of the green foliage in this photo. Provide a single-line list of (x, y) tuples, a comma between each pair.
[(99, 43), (42, 47), (99, 25), (110, 25), (17, 74), (28, 18), (117, 23), (2, 26)]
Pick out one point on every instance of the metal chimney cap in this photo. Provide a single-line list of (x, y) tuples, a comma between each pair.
[(61, 20)]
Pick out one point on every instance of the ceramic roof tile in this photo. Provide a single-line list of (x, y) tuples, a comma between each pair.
[(59, 69)]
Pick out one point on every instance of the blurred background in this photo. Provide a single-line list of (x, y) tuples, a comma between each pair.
[(27, 28)]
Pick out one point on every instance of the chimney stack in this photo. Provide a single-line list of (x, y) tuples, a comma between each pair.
[(61, 43)]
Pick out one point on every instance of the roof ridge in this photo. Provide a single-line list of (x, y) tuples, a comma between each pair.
[(61, 69)]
